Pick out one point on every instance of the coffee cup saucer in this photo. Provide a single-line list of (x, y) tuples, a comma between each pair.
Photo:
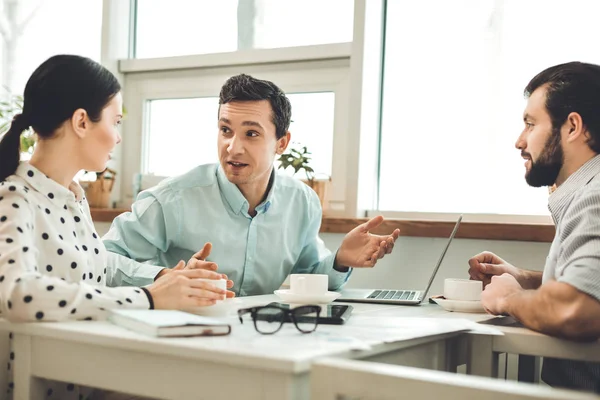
[(296, 298), (465, 306)]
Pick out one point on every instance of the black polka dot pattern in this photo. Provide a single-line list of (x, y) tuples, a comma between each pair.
[(50, 252)]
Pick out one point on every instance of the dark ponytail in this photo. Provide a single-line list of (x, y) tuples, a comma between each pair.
[(56, 89), (10, 146)]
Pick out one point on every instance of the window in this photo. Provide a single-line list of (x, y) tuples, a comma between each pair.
[(183, 27), (453, 99), (47, 28), (182, 133)]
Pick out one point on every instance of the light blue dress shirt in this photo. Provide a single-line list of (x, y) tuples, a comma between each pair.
[(173, 220)]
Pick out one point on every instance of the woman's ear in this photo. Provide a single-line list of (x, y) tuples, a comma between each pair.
[(80, 122)]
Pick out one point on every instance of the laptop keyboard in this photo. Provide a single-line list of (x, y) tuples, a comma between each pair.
[(393, 295)]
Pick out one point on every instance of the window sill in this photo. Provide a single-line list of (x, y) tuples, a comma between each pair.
[(106, 214), (526, 232)]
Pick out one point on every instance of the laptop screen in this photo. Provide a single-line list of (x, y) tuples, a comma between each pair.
[(437, 267)]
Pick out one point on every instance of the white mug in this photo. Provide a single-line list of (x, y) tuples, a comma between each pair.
[(309, 284), (462, 289), (220, 283)]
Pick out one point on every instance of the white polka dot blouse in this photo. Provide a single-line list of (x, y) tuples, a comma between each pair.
[(52, 262)]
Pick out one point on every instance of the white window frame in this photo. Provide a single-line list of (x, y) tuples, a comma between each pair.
[(306, 69), (353, 71)]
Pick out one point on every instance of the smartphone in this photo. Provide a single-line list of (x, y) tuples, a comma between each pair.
[(331, 314)]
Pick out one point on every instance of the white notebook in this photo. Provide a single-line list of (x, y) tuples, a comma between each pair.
[(168, 323)]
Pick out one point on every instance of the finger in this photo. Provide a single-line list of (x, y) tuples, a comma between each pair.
[(180, 265), (200, 273), (488, 257), (199, 264), (205, 293), (230, 294), (229, 284), (204, 253), (475, 264), (476, 274), (373, 260), (372, 223), (390, 246), (396, 234), (223, 276), (491, 269), (204, 285), (382, 250)]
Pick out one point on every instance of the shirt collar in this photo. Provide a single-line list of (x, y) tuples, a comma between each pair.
[(236, 199), (562, 195), (54, 191)]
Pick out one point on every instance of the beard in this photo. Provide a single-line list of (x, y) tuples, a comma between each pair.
[(544, 171)]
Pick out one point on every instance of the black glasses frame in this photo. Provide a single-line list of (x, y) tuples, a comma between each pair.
[(294, 314)]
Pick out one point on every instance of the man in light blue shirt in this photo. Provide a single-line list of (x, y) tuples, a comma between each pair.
[(263, 226)]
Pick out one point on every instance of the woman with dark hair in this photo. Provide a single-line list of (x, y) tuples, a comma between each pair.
[(52, 262)]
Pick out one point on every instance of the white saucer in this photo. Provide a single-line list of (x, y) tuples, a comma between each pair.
[(289, 297), (460, 305)]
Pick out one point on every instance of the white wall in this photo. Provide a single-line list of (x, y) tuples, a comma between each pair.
[(412, 262)]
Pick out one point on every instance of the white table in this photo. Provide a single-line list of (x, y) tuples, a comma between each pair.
[(525, 342), (244, 364)]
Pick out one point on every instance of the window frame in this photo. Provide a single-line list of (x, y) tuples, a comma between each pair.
[(319, 70), (358, 71)]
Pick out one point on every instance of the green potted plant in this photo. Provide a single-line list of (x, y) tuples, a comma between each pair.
[(298, 158)]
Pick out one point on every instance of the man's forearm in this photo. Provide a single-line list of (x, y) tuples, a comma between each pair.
[(532, 311), (556, 309), (529, 279)]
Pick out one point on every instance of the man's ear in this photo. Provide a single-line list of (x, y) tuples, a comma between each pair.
[(283, 142), (574, 127), (80, 122)]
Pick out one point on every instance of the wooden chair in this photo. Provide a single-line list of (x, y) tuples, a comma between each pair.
[(337, 379)]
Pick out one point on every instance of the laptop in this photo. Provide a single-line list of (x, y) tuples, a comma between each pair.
[(390, 296)]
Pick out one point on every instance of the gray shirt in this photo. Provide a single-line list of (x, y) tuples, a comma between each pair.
[(574, 258)]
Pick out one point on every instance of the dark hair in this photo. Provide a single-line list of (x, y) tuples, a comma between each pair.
[(572, 87), (246, 88), (56, 89)]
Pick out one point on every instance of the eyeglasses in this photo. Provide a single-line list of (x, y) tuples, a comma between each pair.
[(270, 318)]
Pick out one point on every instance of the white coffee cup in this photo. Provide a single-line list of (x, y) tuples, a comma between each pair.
[(221, 308), (462, 289), (313, 284), (220, 283)]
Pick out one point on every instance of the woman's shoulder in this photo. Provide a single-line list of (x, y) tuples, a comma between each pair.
[(14, 193)]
